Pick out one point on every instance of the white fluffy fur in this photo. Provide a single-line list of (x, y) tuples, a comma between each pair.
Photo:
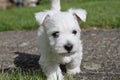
[(51, 49)]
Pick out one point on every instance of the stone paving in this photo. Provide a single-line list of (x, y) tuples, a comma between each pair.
[(101, 59)]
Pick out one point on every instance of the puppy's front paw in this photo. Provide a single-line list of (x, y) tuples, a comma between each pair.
[(74, 71), (55, 77)]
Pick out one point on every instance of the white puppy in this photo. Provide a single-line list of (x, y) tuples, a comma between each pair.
[(59, 40)]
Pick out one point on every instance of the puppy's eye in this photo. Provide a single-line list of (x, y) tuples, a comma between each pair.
[(74, 32), (55, 34)]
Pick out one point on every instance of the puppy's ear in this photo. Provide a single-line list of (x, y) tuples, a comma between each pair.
[(80, 14), (41, 17)]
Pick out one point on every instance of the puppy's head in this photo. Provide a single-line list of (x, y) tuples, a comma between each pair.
[(62, 29)]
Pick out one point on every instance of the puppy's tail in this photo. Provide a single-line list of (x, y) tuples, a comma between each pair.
[(55, 5)]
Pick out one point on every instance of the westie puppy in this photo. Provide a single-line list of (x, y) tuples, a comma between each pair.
[(59, 40)]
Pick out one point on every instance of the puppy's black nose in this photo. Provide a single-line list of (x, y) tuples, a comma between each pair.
[(68, 47)]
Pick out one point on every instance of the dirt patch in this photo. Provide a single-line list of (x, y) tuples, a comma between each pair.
[(101, 59)]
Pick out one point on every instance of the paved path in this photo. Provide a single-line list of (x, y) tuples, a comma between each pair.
[(101, 59)]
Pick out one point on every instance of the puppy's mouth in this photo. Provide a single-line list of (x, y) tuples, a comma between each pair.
[(68, 53)]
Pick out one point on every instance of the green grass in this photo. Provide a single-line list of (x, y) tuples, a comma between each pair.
[(19, 18), (29, 75), (101, 14), (18, 75)]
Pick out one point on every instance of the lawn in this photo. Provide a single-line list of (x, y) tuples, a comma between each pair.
[(101, 14), (18, 74)]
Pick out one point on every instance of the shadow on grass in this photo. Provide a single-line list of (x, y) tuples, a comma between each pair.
[(24, 63), (27, 63)]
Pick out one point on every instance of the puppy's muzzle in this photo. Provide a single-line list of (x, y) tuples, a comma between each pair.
[(68, 47)]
